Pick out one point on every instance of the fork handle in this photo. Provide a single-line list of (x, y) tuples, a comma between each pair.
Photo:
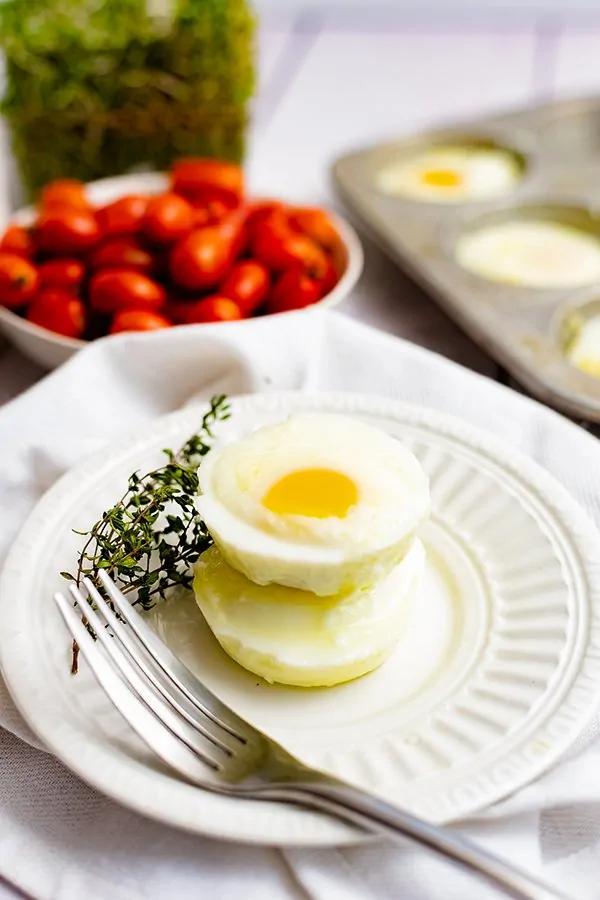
[(375, 815)]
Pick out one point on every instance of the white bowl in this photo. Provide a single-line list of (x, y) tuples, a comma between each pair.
[(50, 350)]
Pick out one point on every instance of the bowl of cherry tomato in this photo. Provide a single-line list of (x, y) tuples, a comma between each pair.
[(160, 250)]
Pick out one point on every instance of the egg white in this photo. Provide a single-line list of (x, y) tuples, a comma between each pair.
[(482, 174), (322, 555), (539, 254), (584, 349), (294, 637)]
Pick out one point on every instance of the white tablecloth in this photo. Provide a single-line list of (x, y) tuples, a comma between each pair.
[(61, 841)]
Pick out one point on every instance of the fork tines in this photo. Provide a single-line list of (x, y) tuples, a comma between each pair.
[(164, 702)]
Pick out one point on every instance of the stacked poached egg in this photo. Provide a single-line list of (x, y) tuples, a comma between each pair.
[(316, 556)]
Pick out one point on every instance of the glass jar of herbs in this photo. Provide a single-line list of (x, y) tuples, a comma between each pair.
[(103, 87)]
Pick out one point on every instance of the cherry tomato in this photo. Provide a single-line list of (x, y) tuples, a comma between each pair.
[(248, 284), (202, 217), (67, 274), (18, 280), (65, 192), (168, 218), (209, 309), (17, 240), (209, 213), (138, 320), (123, 253), (115, 289), (273, 222), (316, 224), (65, 231), (280, 250), (209, 179), (259, 211), (58, 311), (328, 279), (202, 259), (123, 216), (294, 290), (233, 229)]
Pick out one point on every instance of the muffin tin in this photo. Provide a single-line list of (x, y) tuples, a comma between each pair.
[(525, 329)]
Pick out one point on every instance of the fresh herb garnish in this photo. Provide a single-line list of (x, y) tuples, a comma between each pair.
[(150, 539)]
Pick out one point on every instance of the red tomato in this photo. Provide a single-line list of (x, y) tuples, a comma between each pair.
[(18, 280), (233, 228), (316, 224), (180, 306), (259, 211), (66, 231), (115, 289), (168, 218), (209, 213), (17, 240), (202, 217), (67, 274), (123, 216), (201, 259), (209, 179), (280, 250), (209, 309), (123, 253), (138, 320), (248, 284), (294, 290), (328, 279), (58, 311), (64, 192), (273, 222)]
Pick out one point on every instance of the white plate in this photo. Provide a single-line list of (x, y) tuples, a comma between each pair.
[(497, 674), (50, 350)]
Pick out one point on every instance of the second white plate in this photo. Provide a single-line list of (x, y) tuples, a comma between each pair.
[(496, 674)]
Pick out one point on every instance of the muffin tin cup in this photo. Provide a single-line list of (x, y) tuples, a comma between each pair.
[(515, 146), (562, 211), (514, 323)]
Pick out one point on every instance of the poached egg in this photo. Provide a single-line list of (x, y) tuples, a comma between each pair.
[(535, 253), (320, 503), (452, 174), (294, 637)]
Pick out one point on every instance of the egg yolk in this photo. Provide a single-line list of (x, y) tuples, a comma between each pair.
[(442, 178), (319, 493)]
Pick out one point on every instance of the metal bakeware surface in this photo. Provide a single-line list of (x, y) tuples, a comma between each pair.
[(523, 328)]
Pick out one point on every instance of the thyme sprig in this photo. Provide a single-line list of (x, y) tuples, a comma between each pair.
[(150, 539)]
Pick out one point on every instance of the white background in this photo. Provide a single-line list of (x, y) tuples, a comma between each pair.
[(563, 6)]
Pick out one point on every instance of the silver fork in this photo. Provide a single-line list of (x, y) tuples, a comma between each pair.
[(210, 746)]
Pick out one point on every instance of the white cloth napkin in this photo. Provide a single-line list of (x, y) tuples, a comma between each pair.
[(59, 840)]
